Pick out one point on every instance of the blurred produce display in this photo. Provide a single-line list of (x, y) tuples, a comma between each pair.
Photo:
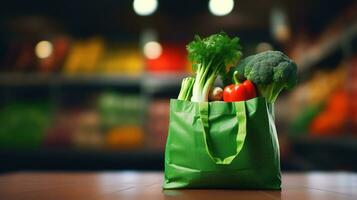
[(157, 122), (23, 125), (116, 109), (172, 59), (323, 106), (92, 56), (115, 122), (95, 56), (122, 120), (75, 81), (352, 88), (125, 137), (333, 117)]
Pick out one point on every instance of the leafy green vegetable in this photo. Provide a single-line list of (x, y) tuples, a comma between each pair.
[(186, 89), (24, 125), (211, 56), (270, 71)]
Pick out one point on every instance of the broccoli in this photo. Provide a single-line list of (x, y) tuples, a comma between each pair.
[(270, 71)]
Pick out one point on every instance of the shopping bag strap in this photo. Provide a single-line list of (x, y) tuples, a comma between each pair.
[(242, 131)]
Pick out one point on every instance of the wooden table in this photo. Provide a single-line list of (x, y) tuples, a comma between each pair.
[(136, 185)]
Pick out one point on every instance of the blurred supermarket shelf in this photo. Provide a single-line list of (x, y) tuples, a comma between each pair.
[(327, 153), (310, 153), (149, 82), (336, 142), (13, 79), (327, 46), (156, 82), (60, 159)]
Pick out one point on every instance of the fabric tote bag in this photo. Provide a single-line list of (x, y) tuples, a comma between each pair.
[(222, 145)]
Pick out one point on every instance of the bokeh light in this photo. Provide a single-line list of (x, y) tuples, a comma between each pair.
[(263, 46), (145, 7), (152, 50), (220, 7), (43, 49)]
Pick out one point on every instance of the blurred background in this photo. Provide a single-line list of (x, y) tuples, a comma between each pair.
[(85, 85)]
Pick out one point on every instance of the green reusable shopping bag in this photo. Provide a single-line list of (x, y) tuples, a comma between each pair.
[(222, 145)]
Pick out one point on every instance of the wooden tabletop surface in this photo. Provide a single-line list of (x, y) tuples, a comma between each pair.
[(138, 185)]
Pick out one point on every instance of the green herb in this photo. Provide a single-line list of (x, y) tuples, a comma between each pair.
[(211, 57)]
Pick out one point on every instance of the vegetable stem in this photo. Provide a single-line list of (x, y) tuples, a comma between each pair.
[(235, 78)]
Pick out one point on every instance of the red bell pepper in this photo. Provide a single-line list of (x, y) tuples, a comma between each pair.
[(239, 91)]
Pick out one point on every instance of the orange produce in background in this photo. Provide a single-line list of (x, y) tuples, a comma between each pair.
[(332, 120), (126, 137), (84, 56)]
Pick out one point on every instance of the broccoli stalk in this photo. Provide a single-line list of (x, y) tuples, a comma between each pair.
[(270, 92), (270, 71), (210, 57)]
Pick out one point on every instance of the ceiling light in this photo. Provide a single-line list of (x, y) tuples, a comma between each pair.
[(145, 7), (220, 7)]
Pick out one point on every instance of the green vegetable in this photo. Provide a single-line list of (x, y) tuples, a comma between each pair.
[(116, 109), (211, 56), (24, 125), (186, 89), (270, 71), (300, 125)]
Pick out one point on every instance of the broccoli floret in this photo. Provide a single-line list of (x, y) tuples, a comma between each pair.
[(270, 71)]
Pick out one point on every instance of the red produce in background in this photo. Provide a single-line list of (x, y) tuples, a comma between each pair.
[(332, 120), (172, 59)]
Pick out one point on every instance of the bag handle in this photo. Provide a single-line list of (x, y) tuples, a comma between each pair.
[(242, 130)]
